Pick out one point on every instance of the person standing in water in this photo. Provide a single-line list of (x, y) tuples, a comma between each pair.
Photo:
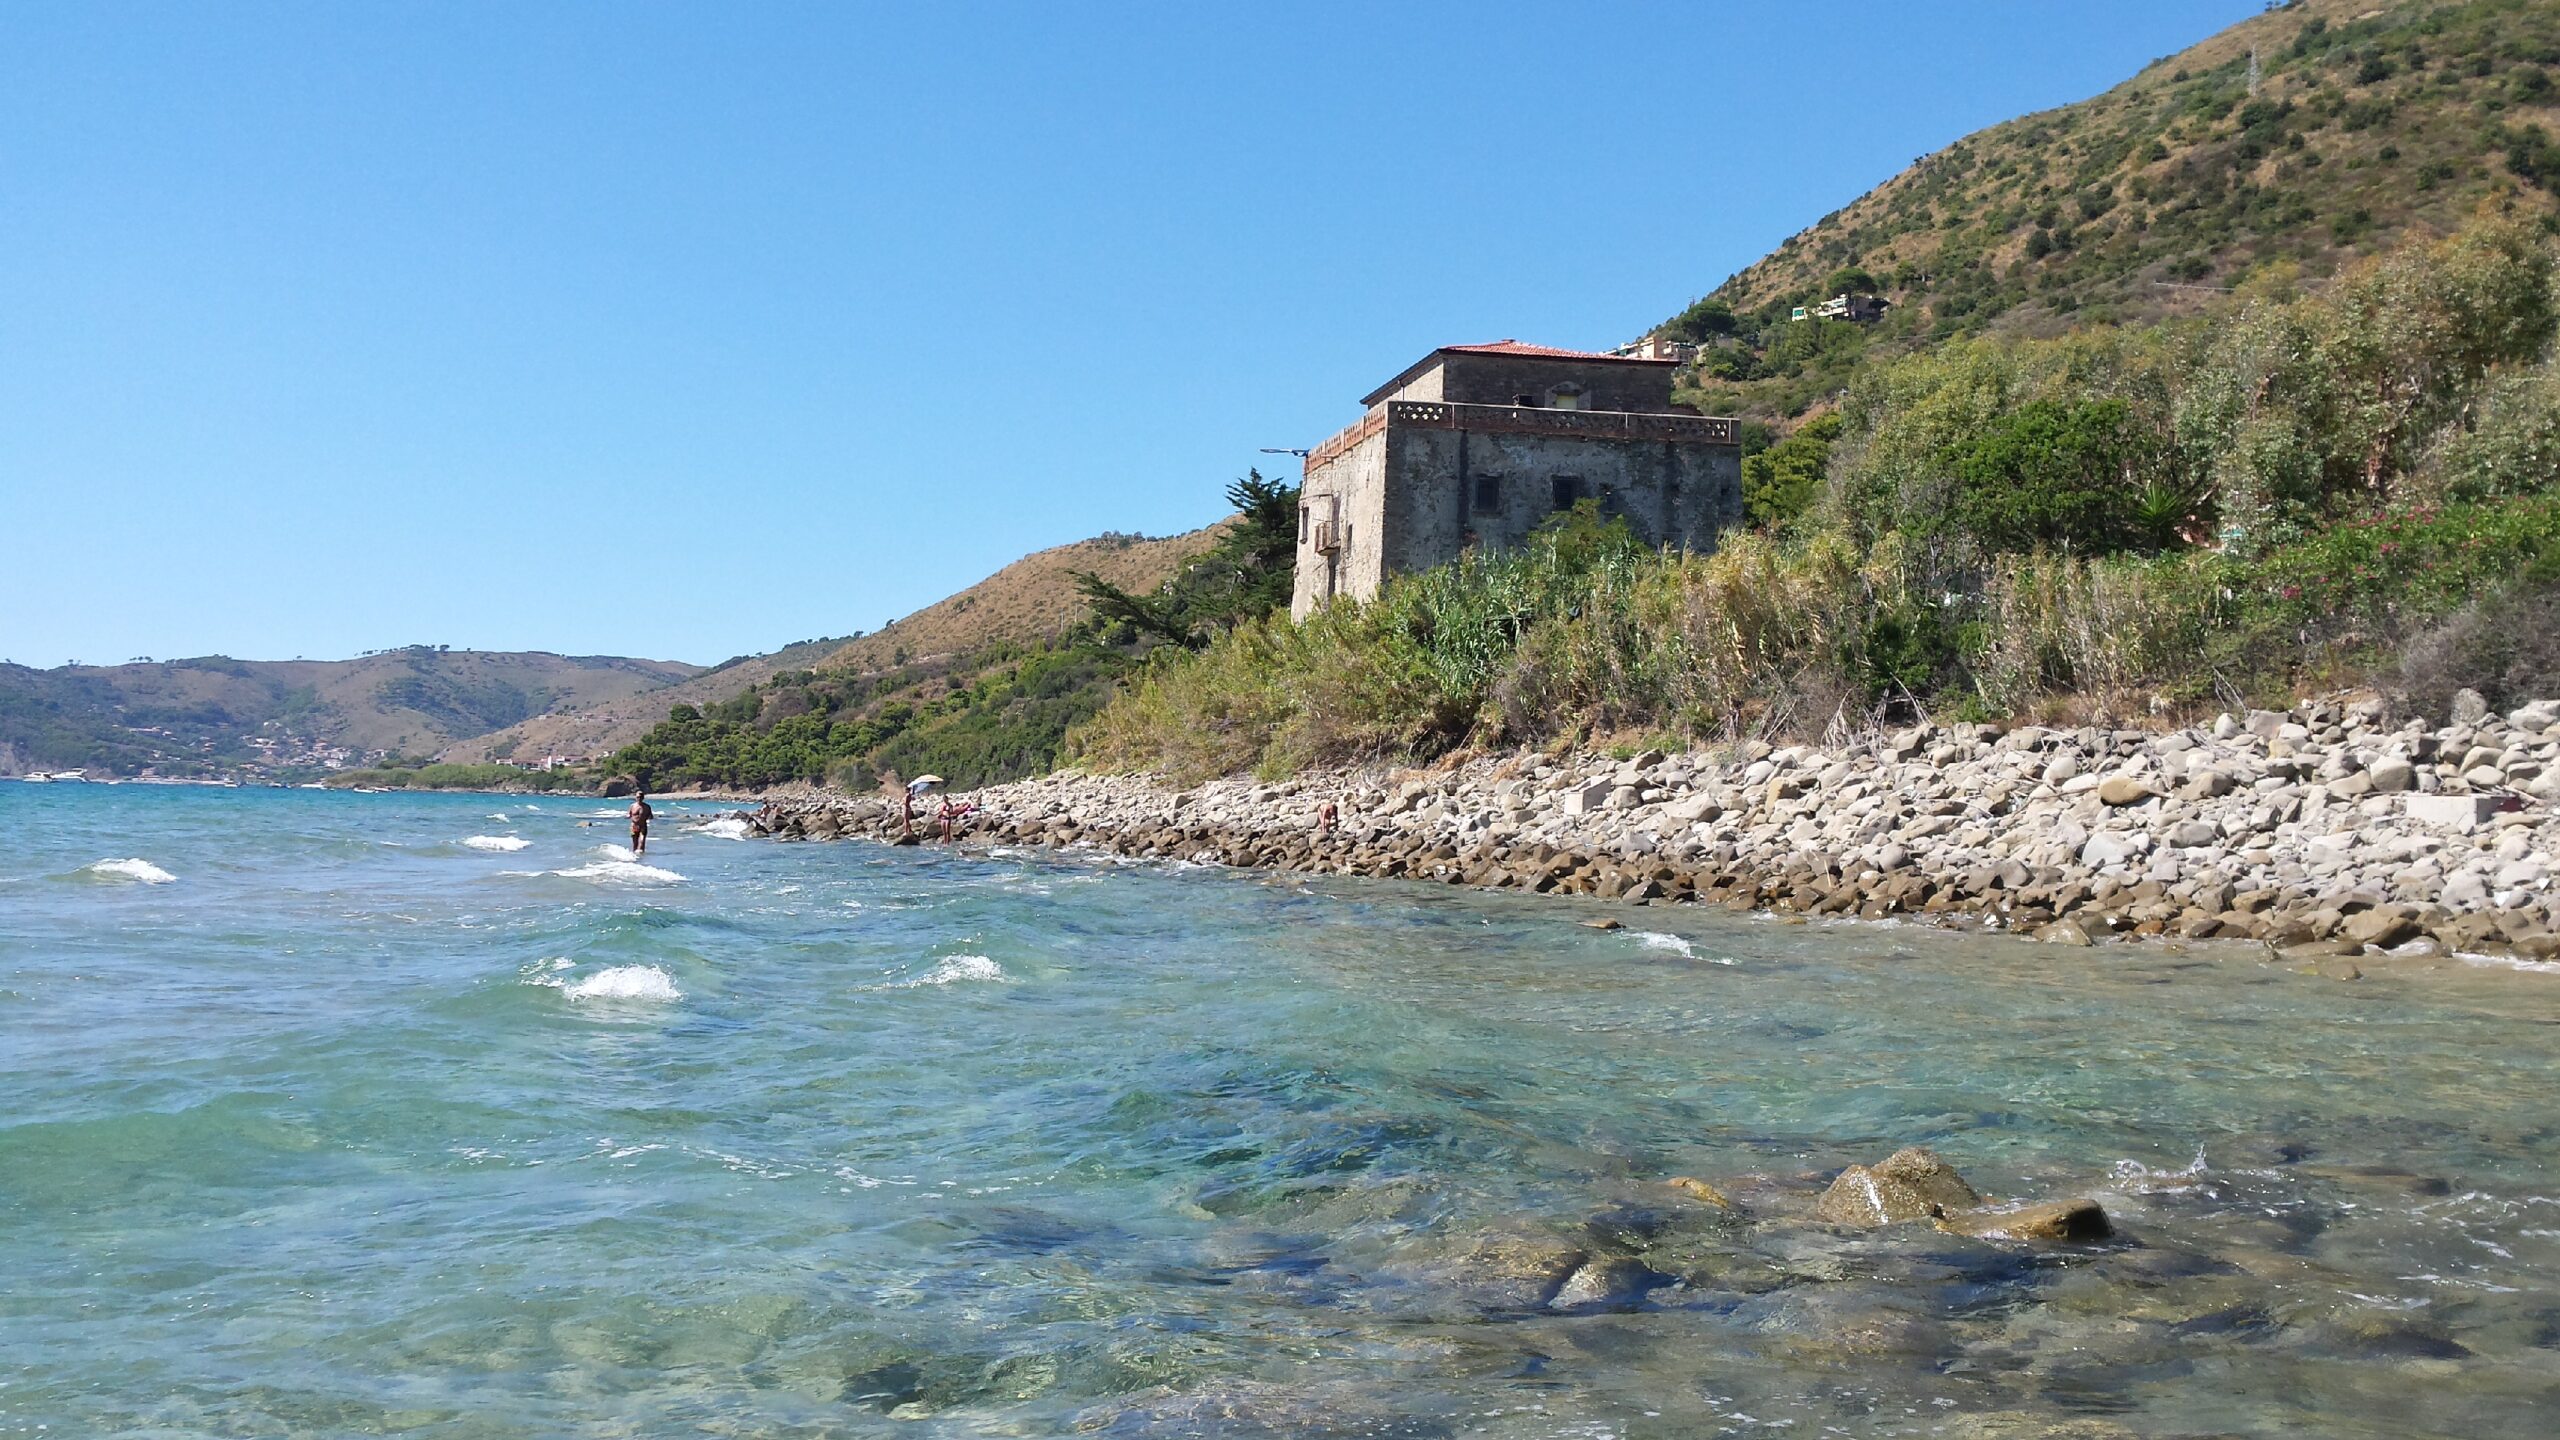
[(641, 815)]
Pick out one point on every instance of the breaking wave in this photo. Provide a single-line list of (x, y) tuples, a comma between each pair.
[(728, 827), (497, 842), (1673, 945), (953, 970), (134, 869), (625, 982), (620, 872)]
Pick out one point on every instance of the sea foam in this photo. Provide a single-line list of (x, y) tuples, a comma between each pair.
[(497, 842), (952, 970), (727, 827), (1674, 945), (134, 869), (620, 872), (625, 982)]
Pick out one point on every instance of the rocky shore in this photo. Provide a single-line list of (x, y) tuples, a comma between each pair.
[(2325, 832)]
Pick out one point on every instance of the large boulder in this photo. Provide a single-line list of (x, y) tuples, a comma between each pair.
[(1862, 1197), (2123, 790), (1910, 1184), (2392, 774), (2382, 926), (1926, 1171)]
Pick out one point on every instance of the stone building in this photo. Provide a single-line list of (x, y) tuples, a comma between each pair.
[(1473, 446)]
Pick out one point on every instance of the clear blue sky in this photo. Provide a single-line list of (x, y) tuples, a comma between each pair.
[(691, 331)]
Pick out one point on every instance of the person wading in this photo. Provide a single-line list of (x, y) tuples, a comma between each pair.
[(641, 815)]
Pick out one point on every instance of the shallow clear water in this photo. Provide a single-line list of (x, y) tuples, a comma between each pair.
[(350, 1126)]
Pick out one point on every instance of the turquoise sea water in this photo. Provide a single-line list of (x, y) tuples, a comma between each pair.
[(358, 1125)]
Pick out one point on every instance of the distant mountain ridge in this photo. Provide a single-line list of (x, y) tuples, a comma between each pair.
[(1033, 599), (213, 715)]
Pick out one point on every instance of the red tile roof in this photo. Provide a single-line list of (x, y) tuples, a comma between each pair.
[(1514, 347)]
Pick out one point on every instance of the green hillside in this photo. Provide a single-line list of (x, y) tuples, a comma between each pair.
[(2259, 161), (217, 716), (2232, 383), (985, 685)]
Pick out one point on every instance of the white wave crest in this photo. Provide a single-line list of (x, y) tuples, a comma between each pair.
[(2137, 1178), (727, 827), (497, 842), (134, 869), (1674, 945), (625, 982), (952, 970), (500, 817), (620, 872), (2509, 962)]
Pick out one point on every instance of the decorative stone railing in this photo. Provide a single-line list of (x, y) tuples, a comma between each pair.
[(1335, 448), (1528, 420)]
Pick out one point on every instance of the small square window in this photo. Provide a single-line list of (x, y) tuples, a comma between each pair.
[(1568, 489), (1488, 494)]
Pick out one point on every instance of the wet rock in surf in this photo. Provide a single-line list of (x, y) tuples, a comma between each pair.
[(1702, 1192), (2381, 1179), (1512, 1268), (1604, 1283), (1912, 1183), (2048, 1220), (1847, 1319)]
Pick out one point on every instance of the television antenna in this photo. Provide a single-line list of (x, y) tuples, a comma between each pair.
[(1283, 450)]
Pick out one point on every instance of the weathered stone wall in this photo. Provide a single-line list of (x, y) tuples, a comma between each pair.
[(1671, 493), (1350, 489), (1502, 379)]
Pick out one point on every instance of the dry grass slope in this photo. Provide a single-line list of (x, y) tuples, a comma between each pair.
[(2367, 120), (1034, 598), (610, 723)]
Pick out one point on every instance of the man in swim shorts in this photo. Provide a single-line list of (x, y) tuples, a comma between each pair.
[(641, 815)]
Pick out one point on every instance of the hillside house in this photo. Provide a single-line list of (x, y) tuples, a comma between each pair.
[(1863, 309), (1657, 347), (1474, 446)]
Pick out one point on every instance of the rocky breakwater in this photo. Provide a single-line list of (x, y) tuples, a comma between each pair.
[(2325, 831)]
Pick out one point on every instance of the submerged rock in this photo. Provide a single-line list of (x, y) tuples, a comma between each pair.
[(1241, 1407), (1700, 1191), (2051, 1220), (1610, 1282), (1510, 1268)]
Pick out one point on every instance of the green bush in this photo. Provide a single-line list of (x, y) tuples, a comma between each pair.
[(2056, 474)]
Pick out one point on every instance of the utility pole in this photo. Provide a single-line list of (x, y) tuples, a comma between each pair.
[(2253, 72)]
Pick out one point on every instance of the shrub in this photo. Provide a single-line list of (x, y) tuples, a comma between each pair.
[(2513, 449), (2505, 646), (2056, 474)]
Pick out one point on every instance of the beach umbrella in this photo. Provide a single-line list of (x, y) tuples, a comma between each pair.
[(922, 783)]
